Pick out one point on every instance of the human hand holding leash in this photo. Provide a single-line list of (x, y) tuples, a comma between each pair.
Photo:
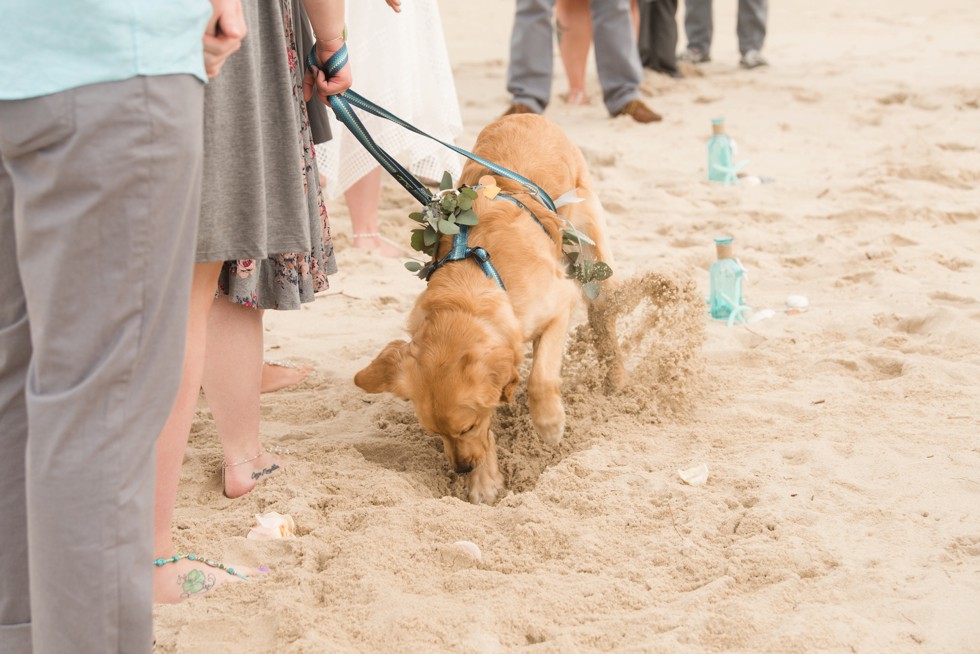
[(223, 34), (328, 20)]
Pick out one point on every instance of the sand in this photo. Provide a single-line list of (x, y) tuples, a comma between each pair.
[(843, 444)]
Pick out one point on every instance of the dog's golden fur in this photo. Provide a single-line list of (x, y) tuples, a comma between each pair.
[(468, 336)]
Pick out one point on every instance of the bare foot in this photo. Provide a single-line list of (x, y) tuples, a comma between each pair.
[(277, 375), (174, 582), (240, 478), (375, 242), (576, 97)]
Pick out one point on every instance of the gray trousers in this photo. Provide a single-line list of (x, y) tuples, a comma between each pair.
[(529, 72), (657, 37), (751, 29), (99, 199)]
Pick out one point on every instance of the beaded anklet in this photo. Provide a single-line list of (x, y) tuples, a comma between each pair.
[(194, 557)]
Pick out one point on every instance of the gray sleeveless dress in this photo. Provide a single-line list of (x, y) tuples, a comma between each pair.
[(262, 211)]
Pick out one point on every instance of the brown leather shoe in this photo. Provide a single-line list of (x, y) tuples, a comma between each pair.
[(519, 108), (639, 112)]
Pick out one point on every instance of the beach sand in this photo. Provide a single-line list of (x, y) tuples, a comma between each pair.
[(843, 443)]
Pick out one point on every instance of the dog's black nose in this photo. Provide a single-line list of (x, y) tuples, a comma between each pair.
[(463, 468)]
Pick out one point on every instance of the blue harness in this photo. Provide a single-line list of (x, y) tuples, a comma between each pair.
[(342, 105)]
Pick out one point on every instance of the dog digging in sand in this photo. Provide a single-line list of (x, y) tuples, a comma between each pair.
[(469, 335)]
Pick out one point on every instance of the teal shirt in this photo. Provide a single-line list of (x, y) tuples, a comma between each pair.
[(48, 46)]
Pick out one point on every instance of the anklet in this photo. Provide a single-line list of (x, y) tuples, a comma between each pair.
[(194, 557), (367, 235), (249, 460)]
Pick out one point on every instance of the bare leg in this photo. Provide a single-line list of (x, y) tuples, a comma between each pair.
[(574, 40), (232, 379), (362, 202), (169, 580)]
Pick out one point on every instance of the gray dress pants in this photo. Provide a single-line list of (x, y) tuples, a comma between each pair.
[(531, 66), (99, 199), (751, 29)]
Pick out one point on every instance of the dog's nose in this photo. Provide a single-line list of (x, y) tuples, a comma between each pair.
[(463, 468)]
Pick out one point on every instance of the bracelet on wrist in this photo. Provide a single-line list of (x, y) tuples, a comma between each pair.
[(342, 37)]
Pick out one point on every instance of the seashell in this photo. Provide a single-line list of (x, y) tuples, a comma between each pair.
[(797, 302), (272, 526), (470, 548), (695, 475)]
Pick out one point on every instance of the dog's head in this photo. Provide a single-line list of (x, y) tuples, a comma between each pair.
[(455, 372)]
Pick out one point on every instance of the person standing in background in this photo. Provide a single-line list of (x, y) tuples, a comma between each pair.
[(529, 72), (100, 177), (751, 30)]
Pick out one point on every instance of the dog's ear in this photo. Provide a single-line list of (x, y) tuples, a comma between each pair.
[(503, 372), (383, 373)]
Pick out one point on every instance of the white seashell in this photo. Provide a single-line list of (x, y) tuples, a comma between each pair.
[(471, 549), (695, 475), (797, 302), (272, 526)]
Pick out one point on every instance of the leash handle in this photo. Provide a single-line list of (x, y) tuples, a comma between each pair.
[(342, 103)]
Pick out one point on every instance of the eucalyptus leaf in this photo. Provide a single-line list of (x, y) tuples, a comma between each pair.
[(601, 271), (447, 182), (591, 290), (417, 239), (447, 227), (577, 236), (468, 192), (413, 266), (465, 203), (449, 203), (429, 236), (467, 217), (417, 216)]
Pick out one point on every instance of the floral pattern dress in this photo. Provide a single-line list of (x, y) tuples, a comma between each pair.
[(289, 279)]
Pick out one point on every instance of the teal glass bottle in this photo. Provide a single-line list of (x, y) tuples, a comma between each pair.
[(721, 157), (726, 277)]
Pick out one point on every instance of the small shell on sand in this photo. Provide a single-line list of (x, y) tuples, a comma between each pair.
[(797, 302), (695, 475), (470, 548)]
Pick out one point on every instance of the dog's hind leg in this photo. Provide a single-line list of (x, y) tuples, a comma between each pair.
[(544, 381), (589, 218)]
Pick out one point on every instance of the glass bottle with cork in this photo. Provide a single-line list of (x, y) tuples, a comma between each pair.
[(721, 155), (726, 278)]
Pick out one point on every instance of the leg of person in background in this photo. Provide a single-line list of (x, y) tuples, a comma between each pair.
[(752, 17), (169, 581), (362, 201), (699, 27), (635, 15), (232, 380), (574, 27), (658, 36), (530, 67), (618, 60)]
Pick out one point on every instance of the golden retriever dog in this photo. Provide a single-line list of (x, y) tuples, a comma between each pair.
[(469, 336)]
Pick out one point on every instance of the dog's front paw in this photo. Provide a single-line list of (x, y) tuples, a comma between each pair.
[(549, 421), (485, 483)]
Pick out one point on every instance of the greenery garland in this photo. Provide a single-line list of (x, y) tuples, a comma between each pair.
[(452, 207)]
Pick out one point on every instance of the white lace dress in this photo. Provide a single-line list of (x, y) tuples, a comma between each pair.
[(399, 61)]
